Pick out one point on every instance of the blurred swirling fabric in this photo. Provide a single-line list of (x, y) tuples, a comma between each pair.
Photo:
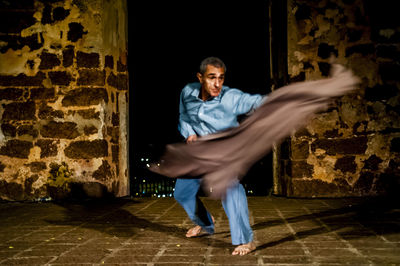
[(222, 158)]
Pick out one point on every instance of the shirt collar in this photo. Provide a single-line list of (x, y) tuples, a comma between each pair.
[(196, 92)]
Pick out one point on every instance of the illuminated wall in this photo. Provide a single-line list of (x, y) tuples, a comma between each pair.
[(64, 99), (353, 148)]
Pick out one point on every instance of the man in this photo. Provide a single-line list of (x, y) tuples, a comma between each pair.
[(208, 107)]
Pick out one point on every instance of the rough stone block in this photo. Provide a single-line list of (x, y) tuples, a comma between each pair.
[(113, 132), (75, 31), (27, 130), (42, 93), (301, 169), (119, 82), (68, 56), (302, 132), (121, 67), (16, 148), (115, 119), (11, 190), (87, 149), (372, 163), (95, 190), (109, 61), (34, 42), (115, 153), (89, 113), (88, 60), (91, 77), (8, 130), (364, 183), (59, 130), (19, 111), (299, 150), (13, 94), (85, 97), (46, 112), (103, 173), (334, 133), (48, 61), (60, 78), (319, 188), (299, 77), (37, 166), (346, 164), (14, 21), (28, 183), (22, 80), (393, 167), (89, 130), (48, 147), (356, 145)]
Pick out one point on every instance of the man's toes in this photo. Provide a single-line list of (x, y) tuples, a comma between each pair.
[(244, 249), (194, 231)]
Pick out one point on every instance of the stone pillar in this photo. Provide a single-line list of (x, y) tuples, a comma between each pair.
[(64, 99), (353, 148)]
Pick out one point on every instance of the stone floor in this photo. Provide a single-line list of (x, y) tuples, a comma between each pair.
[(150, 231)]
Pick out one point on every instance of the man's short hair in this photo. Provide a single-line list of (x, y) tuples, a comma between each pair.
[(214, 61)]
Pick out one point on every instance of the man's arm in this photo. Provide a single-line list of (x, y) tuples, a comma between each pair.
[(184, 127), (245, 102)]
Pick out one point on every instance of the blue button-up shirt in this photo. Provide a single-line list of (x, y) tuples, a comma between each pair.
[(198, 117)]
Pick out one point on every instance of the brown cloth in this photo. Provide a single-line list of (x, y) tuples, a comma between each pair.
[(222, 158)]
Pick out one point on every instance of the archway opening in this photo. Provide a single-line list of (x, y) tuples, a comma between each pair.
[(167, 41)]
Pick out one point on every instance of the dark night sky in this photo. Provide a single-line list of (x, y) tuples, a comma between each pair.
[(167, 41)]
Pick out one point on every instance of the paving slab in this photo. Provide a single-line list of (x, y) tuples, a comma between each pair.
[(151, 231)]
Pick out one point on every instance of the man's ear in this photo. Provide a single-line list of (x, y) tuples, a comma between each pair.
[(200, 77)]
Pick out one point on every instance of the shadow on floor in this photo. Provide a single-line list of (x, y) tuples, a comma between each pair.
[(373, 215)]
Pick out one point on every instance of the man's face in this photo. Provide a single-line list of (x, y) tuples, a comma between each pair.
[(211, 81)]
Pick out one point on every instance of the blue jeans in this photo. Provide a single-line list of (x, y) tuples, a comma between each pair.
[(235, 206)]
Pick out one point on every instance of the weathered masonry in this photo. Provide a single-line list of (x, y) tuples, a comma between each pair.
[(353, 148), (64, 98)]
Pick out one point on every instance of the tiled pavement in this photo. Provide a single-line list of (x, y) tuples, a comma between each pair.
[(150, 231)]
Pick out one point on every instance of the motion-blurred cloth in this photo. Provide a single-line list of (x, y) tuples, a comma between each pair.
[(222, 158)]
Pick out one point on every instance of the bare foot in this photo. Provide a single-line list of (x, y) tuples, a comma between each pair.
[(194, 231), (244, 249), (197, 230)]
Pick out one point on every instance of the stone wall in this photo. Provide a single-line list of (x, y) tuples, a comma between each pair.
[(63, 98), (353, 148)]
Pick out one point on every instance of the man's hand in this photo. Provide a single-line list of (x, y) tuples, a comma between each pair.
[(191, 139)]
